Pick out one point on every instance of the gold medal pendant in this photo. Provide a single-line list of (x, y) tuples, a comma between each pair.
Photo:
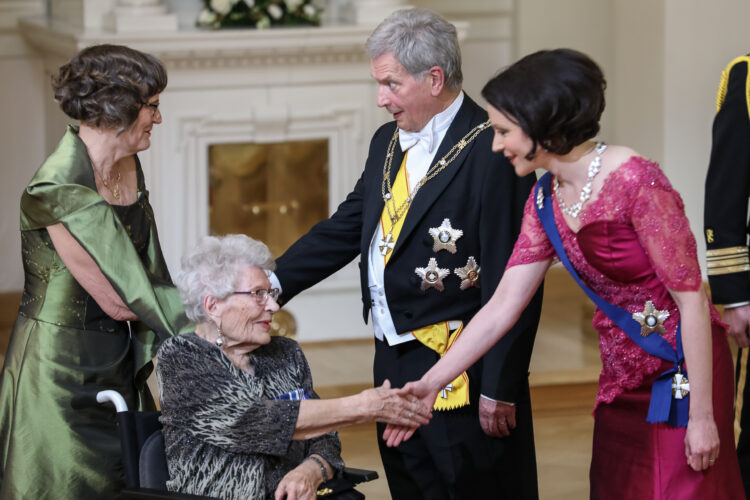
[(469, 274), (432, 275), (445, 237)]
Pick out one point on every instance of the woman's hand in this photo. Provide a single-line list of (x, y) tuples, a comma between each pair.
[(300, 483), (394, 406), (394, 435), (701, 443)]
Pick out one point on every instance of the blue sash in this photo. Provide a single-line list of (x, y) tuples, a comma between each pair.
[(663, 407), (295, 395)]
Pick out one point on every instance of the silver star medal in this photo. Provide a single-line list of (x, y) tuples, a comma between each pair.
[(651, 319), (445, 237), (469, 274), (432, 275)]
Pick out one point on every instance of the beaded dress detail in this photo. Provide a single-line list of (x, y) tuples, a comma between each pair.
[(633, 245)]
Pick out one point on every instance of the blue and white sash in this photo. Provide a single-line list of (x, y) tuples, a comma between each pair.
[(663, 407), (295, 395)]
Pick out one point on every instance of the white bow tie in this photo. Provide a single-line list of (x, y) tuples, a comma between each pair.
[(409, 139)]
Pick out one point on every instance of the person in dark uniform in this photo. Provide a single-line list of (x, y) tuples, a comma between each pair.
[(433, 219), (726, 230)]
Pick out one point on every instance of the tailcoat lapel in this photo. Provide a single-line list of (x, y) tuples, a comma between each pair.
[(430, 192), (375, 202)]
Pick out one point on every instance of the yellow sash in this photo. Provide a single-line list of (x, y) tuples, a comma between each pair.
[(437, 337), (399, 192)]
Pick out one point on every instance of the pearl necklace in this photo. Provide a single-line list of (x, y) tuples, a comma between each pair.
[(594, 167)]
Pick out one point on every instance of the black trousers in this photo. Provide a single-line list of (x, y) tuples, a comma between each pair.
[(451, 457), (742, 415)]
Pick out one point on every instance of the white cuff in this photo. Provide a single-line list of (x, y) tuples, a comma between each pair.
[(497, 400)]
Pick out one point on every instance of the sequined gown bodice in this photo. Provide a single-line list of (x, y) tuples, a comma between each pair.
[(633, 245)]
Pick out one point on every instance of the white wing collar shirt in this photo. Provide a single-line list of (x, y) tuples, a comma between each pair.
[(421, 146)]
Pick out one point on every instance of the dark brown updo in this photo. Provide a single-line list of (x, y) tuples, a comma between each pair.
[(105, 86)]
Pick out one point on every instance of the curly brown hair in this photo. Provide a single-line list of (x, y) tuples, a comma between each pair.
[(105, 86)]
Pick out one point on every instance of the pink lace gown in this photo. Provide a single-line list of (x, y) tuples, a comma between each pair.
[(634, 243)]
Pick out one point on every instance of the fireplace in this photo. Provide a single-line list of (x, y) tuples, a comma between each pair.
[(273, 192)]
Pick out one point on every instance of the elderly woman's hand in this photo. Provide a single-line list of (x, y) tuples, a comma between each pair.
[(394, 406), (300, 483)]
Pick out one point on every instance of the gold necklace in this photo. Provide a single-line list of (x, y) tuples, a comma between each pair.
[(116, 190), (395, 213)]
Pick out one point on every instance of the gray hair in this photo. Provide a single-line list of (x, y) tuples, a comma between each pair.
[(212, 269), (419, 39)]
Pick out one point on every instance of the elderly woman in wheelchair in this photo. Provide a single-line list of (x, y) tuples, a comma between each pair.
[(241, 419)]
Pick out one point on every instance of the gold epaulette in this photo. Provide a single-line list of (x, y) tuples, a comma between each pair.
[(724, 82), (727, 260)]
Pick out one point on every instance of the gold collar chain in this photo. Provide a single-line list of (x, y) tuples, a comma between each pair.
[(439, 166)]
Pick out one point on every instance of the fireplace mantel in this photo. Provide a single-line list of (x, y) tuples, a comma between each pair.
[(244, 85)]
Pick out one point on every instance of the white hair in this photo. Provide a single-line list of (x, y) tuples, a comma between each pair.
[(419, 39), (213, 266)]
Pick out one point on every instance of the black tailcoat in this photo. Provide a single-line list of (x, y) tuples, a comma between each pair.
[(481, 195)]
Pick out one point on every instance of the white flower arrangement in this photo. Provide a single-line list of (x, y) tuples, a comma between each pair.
[(258, 14)]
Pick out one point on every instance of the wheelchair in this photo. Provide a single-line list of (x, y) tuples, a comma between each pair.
[(145, 461)]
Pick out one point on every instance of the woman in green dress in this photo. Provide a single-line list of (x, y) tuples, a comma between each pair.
[(98, 298)]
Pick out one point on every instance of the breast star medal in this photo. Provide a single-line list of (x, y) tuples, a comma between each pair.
[(432, 275), (469, 274), (651, 319), (445, 237)]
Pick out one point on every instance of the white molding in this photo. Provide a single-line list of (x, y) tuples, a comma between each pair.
[(11, 42), (201, 49)]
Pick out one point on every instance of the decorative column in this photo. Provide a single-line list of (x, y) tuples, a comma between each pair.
[(140, 15)]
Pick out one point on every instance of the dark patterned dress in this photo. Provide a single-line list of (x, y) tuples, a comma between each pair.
[(226, 435)]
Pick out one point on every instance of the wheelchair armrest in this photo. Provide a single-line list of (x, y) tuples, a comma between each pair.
[(359, 475), (151, 494)]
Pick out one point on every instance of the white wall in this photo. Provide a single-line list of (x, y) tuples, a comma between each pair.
[(21, 133), (701, 38), (662, 60)]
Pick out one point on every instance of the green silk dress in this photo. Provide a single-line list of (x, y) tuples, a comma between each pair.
[(63, 344)]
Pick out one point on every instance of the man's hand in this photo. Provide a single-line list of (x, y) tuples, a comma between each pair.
[(738, 319), (496, 418)]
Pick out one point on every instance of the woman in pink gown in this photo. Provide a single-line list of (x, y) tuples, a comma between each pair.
[(625, 232)]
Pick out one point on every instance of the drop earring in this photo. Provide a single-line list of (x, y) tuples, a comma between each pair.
[(219, 340)]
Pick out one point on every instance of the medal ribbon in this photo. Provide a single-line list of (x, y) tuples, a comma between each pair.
[(399, 192), (663, 407), (439, 338)]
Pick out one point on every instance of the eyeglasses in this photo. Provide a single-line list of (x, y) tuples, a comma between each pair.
[(154, 107), (262, 294)]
